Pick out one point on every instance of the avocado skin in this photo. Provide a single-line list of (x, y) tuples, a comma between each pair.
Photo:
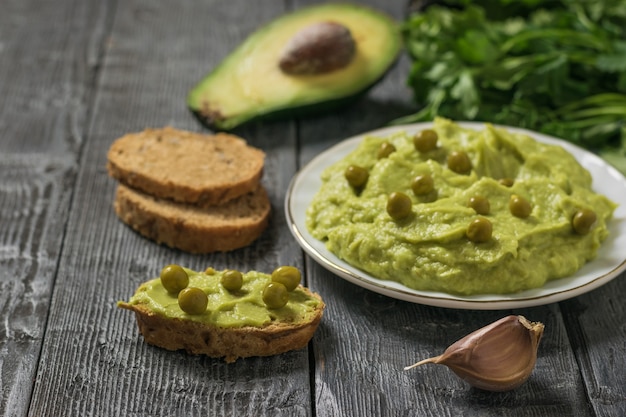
[(308, 110), (341, 88), (287, 113)]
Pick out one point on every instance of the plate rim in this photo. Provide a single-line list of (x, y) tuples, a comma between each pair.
[(433, 298)]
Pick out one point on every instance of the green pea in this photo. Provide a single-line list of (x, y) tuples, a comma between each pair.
[(385, 150), (289, 276), (423, 184), (232, 280), (399, 205), (459, 162), (519, 206), (357, 176), (480, 204), (193, 300), (507, 182), (174, 278), (425, 140), (479, 230), (275, 295), (583, 221)]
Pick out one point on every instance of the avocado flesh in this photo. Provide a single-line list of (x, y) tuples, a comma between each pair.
[(249, 84)]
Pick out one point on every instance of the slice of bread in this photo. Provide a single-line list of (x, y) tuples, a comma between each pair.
[(194, 229), (185, 166), (225, 342)]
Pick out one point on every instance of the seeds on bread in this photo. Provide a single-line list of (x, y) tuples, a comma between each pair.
[(185, 166), (191, 228)]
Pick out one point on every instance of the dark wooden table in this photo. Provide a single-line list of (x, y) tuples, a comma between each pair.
[(77, 74)]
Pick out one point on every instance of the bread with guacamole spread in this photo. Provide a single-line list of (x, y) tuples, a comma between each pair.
[(226, 314), (186, 167)]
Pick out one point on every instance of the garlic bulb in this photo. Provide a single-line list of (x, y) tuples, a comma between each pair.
[(497, 357)]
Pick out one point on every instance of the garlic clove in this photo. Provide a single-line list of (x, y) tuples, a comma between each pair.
[(498, 357)]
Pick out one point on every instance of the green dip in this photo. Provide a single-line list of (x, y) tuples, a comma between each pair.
[(429, 250), (227, 309)]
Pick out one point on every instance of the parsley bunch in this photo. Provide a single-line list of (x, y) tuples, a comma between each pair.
[(554, 66)]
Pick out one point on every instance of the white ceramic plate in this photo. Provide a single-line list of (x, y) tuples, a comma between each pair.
[(610, 262)]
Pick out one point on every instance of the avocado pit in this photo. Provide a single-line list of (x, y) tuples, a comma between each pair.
[(318, 49)]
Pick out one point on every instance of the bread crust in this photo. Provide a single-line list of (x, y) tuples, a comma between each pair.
[(229, 343), (227, 227), (186, 167)]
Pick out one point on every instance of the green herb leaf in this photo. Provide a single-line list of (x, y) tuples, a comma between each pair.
[(555, 66)]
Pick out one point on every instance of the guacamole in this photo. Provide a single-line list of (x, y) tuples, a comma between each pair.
[(429, 247), (227, 309)]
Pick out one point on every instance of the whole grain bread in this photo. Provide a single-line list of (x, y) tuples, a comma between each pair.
[(184, 166), (195, 229), (228, 343)]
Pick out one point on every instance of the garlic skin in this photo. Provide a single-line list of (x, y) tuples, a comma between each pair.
[(498, 357)]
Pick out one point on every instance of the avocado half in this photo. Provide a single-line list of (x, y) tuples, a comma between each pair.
[(249, 84)]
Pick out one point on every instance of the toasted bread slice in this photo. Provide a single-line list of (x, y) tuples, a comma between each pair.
[(218, 342), (286, 331), (185, 166), (194, 229)]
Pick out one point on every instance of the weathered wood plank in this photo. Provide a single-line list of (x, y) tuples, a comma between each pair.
[(595, 323), (33, 199), (93, 351), (53, 138), (365, 374), (48, 56), (46, 74)]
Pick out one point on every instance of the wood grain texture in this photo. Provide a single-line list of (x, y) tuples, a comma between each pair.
[(92, 348), (46, 85), (597, 332), (48, 56), (360, 372), (33, 200), (94, 70)]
